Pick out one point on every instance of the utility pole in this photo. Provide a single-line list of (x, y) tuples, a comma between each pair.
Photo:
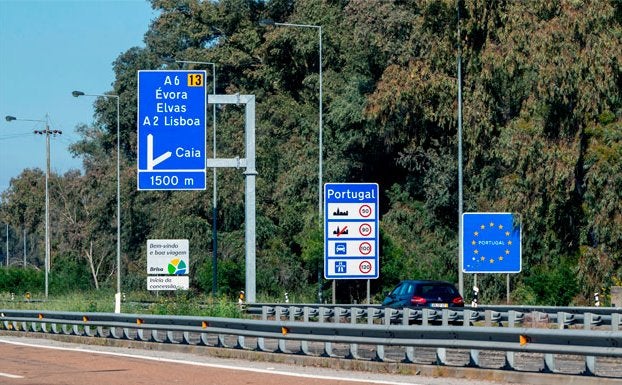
[(47, 133), (7, 245)]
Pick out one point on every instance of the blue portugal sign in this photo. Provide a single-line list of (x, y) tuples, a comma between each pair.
[(351, 231), (171, 130), (491, 243)]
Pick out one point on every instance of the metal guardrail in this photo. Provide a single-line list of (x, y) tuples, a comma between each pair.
[(561, 317), (302, 328)]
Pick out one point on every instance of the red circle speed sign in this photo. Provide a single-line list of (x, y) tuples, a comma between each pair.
[(365, 267), (365, 248), (365, 229), (365, 211)]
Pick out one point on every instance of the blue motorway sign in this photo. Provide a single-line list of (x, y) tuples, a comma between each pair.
[(491, 243), (171, 130), (351, 231)]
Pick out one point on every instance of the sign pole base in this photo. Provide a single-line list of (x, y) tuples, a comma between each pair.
[(117, 303)]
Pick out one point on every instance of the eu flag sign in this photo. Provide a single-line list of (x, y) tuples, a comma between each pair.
[(491, 243)]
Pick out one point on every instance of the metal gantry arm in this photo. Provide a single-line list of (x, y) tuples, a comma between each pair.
[(248, 162)]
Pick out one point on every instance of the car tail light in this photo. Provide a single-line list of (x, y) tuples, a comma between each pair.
[(418, 301), (458, 301)]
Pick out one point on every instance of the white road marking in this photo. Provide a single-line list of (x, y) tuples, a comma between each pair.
[(7, 375), (217, 366)]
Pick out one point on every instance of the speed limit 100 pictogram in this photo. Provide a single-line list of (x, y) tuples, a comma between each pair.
[(365, 248)]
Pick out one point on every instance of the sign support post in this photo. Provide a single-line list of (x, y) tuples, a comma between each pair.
[(250, 174)]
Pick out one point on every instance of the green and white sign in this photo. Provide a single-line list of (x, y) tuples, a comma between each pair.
[(168, 262)]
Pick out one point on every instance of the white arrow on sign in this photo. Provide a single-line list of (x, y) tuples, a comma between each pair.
[(151, 163)]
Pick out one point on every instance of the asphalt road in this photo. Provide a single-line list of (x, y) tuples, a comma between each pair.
[(29, 361)]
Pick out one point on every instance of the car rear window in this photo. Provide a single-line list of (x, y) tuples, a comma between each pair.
[(435, 289)]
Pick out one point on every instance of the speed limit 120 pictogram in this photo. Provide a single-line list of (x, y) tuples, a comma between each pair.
[(365, 267)]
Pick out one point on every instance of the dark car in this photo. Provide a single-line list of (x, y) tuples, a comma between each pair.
[(411, 293)]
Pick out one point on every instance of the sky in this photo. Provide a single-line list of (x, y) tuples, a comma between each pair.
[(48, 48)]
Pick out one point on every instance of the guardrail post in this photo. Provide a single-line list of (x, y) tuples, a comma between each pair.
[(473, 353), (616, 320), (441, 353), (371, 315), (388, 313), (549, 363), (261, 342), (466, 317), (87, 330), (185, 338), (328, 346), (514, 317), (304, 345), (112, 333), (100, 331), (280, 311), (221, 342), (126, 334), (441, 356), (564, 320), (354, 348), (409, 351), (491, 316), (170, 337), (590, 366), (590, 319), (154, 336), (140, 334), (445, 317), (425, 319)]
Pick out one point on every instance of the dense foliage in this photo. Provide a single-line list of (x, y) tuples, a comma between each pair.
[(542, 137)]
